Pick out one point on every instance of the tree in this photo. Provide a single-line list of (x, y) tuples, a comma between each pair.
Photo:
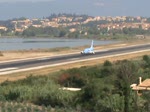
[(126, 75), (146, 58), (107, 63), (62, 33)]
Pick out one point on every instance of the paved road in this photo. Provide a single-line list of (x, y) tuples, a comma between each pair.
[(23, 65)]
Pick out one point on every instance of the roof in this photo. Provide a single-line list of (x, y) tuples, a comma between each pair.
[(71, 89), (140, 88), (145, 83)]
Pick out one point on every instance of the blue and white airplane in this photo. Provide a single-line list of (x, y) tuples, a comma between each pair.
[(89, 50)]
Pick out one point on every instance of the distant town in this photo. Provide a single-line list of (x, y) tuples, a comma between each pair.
[(76, 23)]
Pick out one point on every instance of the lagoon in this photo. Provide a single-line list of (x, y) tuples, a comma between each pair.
[(16, 43)]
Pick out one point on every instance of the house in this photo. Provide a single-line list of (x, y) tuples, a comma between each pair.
[(142, 86), (3, 28)]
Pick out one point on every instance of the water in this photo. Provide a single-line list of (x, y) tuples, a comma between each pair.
[(43, 43)]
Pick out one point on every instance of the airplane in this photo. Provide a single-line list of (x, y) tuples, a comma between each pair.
[(89, 50)]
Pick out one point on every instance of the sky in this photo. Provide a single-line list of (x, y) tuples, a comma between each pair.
[(10, 9)]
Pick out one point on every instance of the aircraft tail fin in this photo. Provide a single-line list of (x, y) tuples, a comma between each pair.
[(92, 44)]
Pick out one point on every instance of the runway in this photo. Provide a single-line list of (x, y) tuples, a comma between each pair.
[(37, 63)]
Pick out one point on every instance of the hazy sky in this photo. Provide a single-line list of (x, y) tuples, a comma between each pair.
[(43, 8)]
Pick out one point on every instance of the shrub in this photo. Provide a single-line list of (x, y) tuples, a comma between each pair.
[(107, 63), (1, 54)]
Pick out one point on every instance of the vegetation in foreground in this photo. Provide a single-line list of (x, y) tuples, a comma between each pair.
[(104, 88)]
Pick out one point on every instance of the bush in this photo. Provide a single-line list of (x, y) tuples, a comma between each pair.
[(146, 58), (71, 80), (1, 54), (107, 63)]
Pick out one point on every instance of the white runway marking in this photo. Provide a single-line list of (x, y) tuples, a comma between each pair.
[(7, 69), (120, 45), (74, 59), (101, 50), (43, 58)]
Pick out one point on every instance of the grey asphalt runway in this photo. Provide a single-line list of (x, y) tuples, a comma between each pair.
[(46, 61)]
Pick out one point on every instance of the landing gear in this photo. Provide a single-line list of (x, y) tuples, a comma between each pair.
[(82, 53)]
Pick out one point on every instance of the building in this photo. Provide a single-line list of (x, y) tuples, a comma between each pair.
[(3, 28), (142, 86)]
